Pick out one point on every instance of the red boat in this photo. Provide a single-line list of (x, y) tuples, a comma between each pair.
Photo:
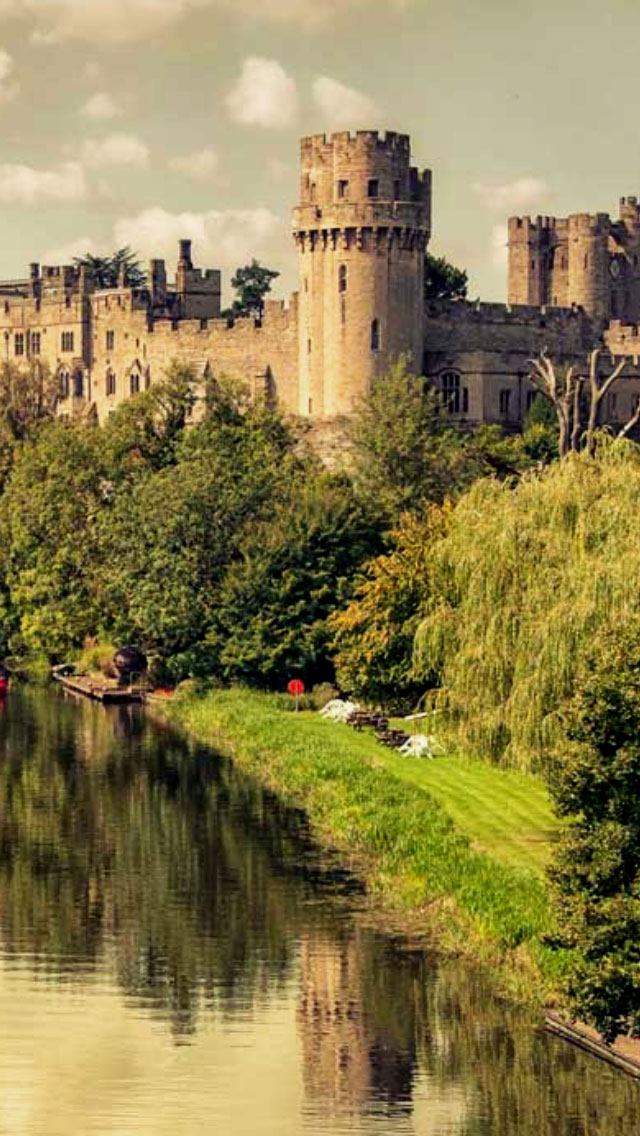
[(4, 681)]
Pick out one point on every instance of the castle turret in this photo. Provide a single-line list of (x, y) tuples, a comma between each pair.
[(589, 277), (362, 229)]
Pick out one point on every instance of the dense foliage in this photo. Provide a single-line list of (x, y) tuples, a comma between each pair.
[(596, 874), (526, 575), (110, 271), (251, 283), (443, 281)]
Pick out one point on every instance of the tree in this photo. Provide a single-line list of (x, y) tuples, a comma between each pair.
[(595, 782), (443, 281), (407, 452), (577, 400), (107, 271), (293, 569), (252, 283), (144, 431), (28, 398), (372, 638)]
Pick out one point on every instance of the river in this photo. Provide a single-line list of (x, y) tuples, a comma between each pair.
[(177, 958)]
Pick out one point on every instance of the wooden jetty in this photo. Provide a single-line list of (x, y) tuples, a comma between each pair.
[(101, 690), (624, 1053)]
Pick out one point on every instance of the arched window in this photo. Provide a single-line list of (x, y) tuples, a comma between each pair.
[(375, 335), (64, 384), (78, 384), (111, 383), (342, 278), (452, 392), (134, 382)]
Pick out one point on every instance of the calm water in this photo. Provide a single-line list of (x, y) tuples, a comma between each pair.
[(176, 958)]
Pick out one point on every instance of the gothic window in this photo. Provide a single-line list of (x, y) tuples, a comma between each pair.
[(373, 188), (505, 399), (134, 382), (67, 341), (19, 343), (312, 191), (343, 189), (64, 384), (375, 335), (453, 396), (342, 278), (111, 383), (35, 342), (78, 385), (110, 340)]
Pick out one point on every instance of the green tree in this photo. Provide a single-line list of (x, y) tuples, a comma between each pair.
[(48, 522), (145, 431), (293, 569), (28, 398), (595, 782), (443, 281), (251, 283), (373, 637), (106, 271)]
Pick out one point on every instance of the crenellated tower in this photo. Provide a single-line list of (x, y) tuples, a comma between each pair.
[(362, 229)]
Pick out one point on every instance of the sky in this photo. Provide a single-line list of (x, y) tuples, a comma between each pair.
[(142, 121)]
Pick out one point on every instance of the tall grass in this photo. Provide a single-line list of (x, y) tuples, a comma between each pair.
[(521, 582), (414, 857)]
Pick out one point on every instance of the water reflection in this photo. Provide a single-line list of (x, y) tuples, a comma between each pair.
[(157, 903)]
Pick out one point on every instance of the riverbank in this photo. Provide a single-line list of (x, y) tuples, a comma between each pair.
[(422, 870)]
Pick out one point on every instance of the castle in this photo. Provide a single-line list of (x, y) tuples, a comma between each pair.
[(362, 228)]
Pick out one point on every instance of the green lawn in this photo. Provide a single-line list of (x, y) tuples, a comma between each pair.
[(506, 814)]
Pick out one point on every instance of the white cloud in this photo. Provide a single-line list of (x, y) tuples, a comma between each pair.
[(8, 89), (65, 254), (118, 21), (200, 165), (499, 249), (25, 185), (116, 150), (343, 106), (264, 95), (222, 238), (101, 106), (511, 195)]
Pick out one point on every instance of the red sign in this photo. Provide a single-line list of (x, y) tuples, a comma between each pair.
[(296, 687)]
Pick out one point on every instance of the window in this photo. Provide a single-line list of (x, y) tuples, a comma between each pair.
[(613, 405), (531, 398), (64, 384), (343, 189), (78, 385), (451, 391), (35, 342), (19, 343), (310, 406), (505, 399), (375, 335), (465, 400), (110, 340), (342, 278), (396, 190), (134, 382), (373, 189), (308, 347), (312, 191), (67, 341), (111, 383), (533, 263)]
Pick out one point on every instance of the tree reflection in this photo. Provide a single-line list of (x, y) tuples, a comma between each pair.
[(123, 846)]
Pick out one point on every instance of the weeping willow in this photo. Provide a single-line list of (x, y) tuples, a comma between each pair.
[(520, 584)]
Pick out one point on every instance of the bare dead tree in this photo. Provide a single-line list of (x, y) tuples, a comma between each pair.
[(597, 391), (561, 389), (565, 388)]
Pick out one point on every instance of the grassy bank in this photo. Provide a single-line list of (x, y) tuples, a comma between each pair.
[(389, 813)]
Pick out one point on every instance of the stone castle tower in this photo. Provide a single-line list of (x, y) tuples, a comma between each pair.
[(584, 260), (362, 229)]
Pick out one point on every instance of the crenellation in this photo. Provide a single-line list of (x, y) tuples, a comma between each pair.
[(361, 227)]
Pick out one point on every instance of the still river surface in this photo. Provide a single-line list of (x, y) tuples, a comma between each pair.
[(177, 958)]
